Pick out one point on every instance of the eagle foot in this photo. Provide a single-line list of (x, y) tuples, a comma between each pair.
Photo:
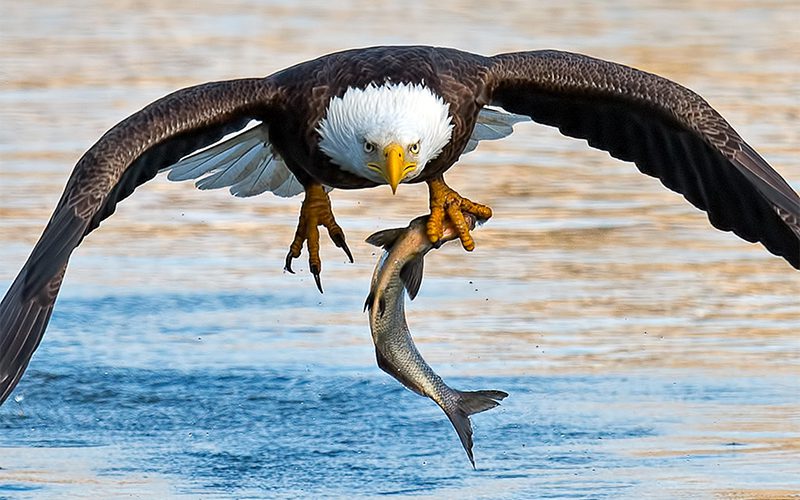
[(445, 202), (315, 211)]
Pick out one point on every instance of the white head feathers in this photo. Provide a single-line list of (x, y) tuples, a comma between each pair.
[(399, 113)]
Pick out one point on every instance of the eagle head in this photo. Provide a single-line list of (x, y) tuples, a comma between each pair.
[(385, 133)]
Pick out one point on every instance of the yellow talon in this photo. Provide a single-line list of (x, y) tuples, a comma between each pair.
[(315, 211), (445, 201)]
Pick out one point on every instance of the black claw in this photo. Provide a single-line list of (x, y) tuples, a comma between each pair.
[(339, 241), (315, 270), (347, 251), (288, 265), (319, 282)]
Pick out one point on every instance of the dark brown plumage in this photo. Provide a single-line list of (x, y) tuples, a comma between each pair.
[(667, 130)]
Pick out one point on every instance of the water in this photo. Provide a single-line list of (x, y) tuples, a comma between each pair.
[(646, 354)]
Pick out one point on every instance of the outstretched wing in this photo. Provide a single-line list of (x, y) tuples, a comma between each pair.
[(666, 129), (128, 155)]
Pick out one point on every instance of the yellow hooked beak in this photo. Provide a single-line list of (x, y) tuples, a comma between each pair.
[(394, 167)]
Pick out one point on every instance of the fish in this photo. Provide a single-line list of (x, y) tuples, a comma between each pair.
[(400, 270)]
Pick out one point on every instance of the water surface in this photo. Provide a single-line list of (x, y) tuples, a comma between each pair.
[(646, 354)]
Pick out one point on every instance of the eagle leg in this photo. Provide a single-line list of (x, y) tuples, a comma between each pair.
[(446, 202), (315, 211)]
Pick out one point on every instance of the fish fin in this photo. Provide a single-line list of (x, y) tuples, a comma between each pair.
[(470, 403), (411, 275), (477, 401), (371, 299), (389, 368), (385, 238)]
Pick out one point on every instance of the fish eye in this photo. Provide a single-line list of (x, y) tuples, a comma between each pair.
[(414, 148), (368, 147)]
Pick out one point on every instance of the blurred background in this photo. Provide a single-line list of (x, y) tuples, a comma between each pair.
[(646, 353)]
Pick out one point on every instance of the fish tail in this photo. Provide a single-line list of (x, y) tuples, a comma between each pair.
[(469, 403)]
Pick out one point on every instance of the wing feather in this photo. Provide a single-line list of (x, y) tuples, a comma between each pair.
[(492, 124), (126, 156), (234, 169), (209, 160), (258, 179), (290, 186), (668, 131), (246, 163)]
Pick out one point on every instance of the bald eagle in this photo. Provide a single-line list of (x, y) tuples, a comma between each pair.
[(393, 115)]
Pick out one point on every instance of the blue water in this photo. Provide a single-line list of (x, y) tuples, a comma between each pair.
[(324, 428), (294, 431)]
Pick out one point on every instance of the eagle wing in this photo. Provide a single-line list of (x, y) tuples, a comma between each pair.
[(126, 156), (246, 162), (491, 125), (667, 130)]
